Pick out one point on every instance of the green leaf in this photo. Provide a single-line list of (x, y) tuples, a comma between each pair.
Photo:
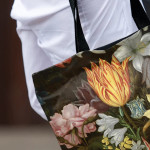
[(131, 137), (61, 139), (95, 143), (90, 120), (95, 146), (95, 139), (83, 148), (138, 134)]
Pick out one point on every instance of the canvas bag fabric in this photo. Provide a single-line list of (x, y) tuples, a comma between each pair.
[(100, 99)]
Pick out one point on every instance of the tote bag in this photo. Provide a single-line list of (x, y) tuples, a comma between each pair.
[(100, 99)]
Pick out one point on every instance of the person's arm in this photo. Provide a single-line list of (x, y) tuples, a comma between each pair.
[(45, 38), (34, 60)]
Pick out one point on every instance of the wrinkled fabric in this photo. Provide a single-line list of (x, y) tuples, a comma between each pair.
[(46, 30)]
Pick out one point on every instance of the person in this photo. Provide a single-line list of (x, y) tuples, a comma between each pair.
[(46, 31)]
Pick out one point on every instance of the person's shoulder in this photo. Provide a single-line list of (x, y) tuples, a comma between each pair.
[(27, 10)]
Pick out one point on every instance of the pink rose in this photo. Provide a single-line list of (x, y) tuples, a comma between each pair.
[(72, 117), (72, 139), (72, 113), (60, 126), (86, 111), (77, 116), (91, 127)]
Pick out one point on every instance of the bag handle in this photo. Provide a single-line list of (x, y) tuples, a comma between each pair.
[(139, 15), (80, 41)]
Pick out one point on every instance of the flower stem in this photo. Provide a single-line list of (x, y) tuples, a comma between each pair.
[(146, 126), (66, 142), (128, 117), (84, 135), (128, 126), (132, 131), (81, 139)]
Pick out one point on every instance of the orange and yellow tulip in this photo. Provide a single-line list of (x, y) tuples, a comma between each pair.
[(110, 82)]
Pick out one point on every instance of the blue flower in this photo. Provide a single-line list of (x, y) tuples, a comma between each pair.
[(137, 108)]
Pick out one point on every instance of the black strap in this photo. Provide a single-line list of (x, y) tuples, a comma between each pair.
[(147, 6), (140, 17), (81, 44)]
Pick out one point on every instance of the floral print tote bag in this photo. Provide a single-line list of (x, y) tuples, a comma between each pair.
[(100, 99)]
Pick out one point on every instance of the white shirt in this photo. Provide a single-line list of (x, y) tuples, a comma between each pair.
[(46, 30)]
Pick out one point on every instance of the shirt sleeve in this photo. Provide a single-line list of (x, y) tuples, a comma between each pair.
[(34, 60), (46, 32)]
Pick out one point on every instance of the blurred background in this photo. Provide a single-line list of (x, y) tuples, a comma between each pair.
[(20, 127)]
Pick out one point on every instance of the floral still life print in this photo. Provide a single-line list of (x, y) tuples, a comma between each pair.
[(100, 99)]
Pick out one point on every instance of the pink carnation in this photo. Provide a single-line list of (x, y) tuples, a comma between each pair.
[(71, 117), (73, 139), (77, 116), (87, 129), (60, 126)]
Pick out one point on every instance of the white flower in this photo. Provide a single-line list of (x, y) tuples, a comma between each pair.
[(137, 146), (145, 28), (135, 46), (117, 136), (106, 124)]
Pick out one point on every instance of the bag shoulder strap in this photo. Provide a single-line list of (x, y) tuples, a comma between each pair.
[(80, 41), (139, 15)]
